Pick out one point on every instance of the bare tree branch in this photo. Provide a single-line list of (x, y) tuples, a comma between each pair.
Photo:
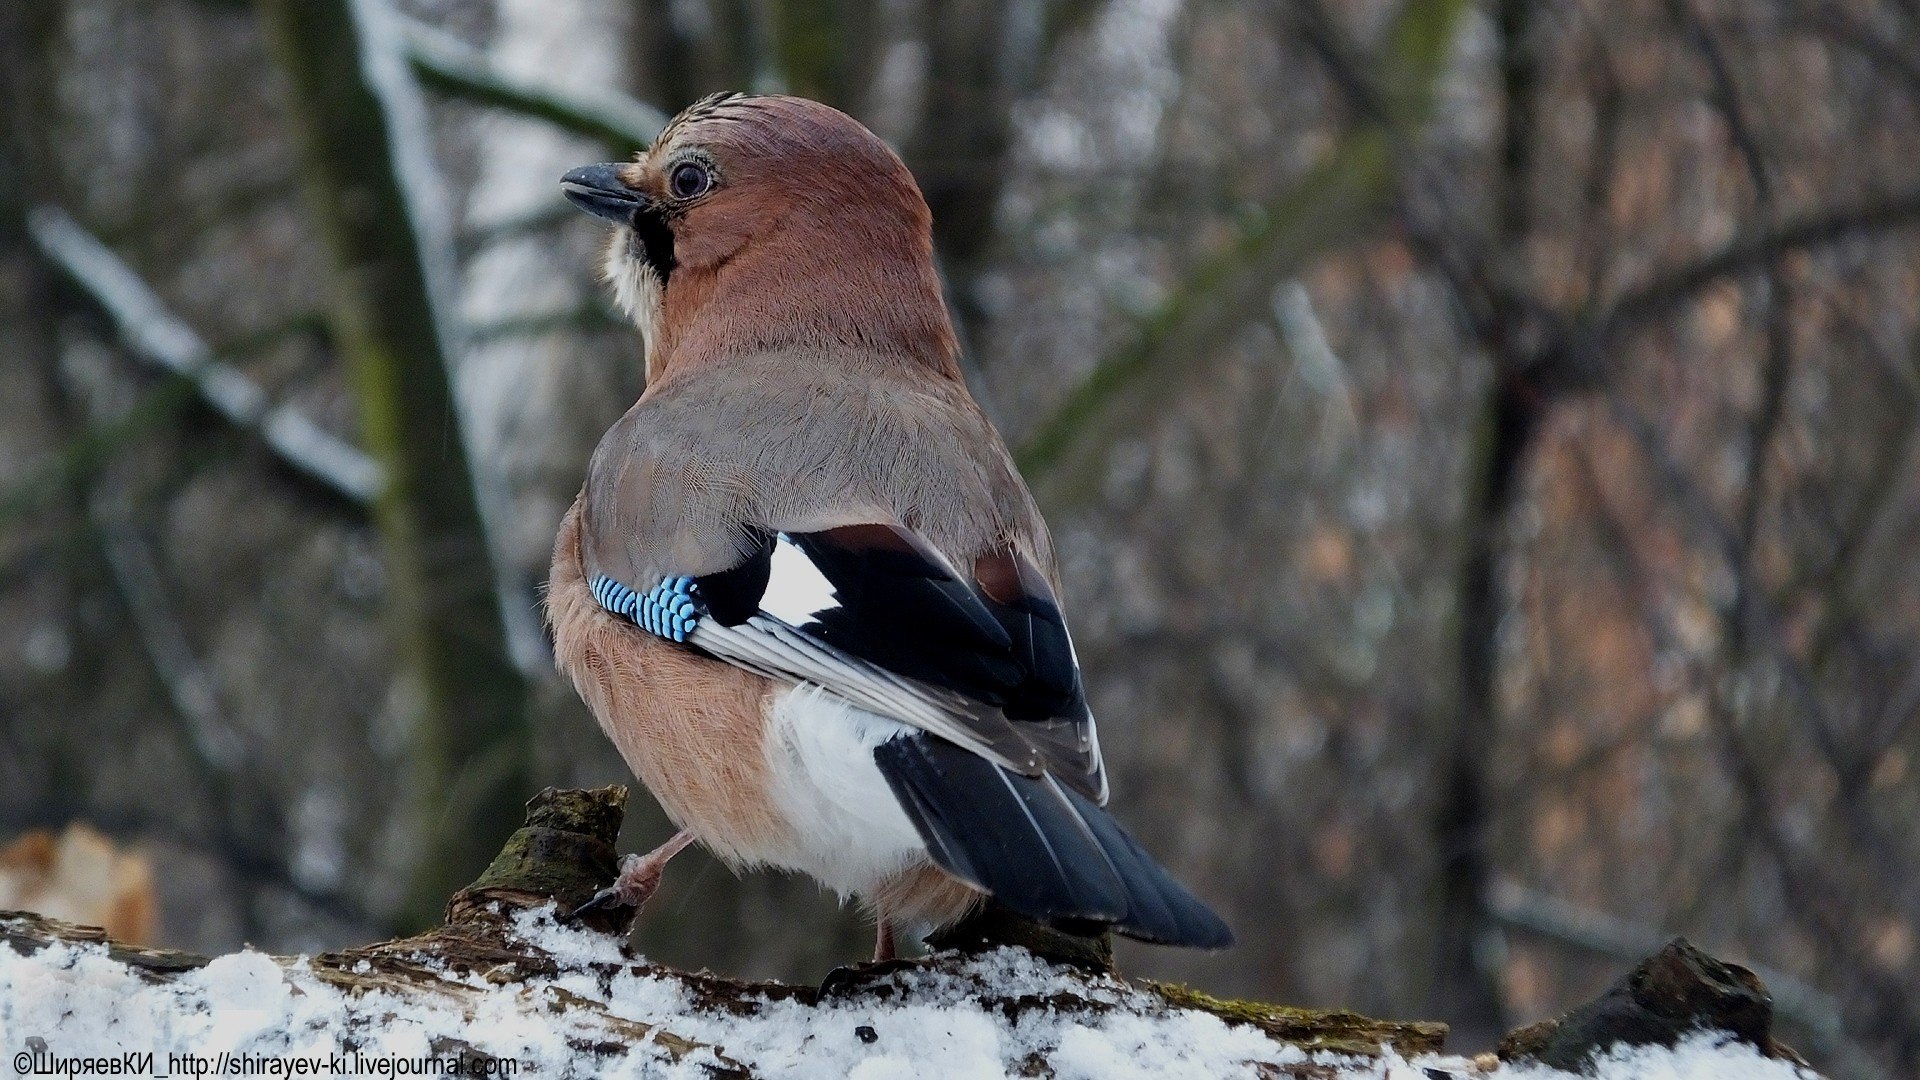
[(445, 63), (1777, 366), (1334, 202), (190, 687), (1726, 97), (1672, 290), (1325, 207), (1830, 23), (1752, 628)]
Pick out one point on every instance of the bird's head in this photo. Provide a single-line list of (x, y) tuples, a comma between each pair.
[(757, 223)]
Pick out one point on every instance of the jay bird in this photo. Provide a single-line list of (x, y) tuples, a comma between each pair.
[(804, 590)]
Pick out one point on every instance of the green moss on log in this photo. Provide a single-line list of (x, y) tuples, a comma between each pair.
[(1314, 1029)]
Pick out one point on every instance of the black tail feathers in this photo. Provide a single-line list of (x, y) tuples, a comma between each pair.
[(1038, 847)]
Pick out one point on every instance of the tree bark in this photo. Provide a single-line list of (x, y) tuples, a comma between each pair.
[(468, 702), (564, 853), (1466, 988)]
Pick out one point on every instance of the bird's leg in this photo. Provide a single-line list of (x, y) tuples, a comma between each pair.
[(639, 877), (883, 942)]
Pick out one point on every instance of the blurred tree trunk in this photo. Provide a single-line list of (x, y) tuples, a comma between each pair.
[(982, 58), (28, 30), (686, 51), (471, 742), (29, 309), (828, 51), (1467, 978)]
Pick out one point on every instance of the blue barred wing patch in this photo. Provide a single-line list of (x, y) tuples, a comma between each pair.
[(670, 609)]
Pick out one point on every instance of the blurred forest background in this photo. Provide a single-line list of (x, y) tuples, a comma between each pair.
[(1481, 437)]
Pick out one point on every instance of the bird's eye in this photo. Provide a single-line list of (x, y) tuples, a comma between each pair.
[(689, 179)]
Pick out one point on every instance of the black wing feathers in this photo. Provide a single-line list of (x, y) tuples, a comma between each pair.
[(732, 596), (1056, 671), (1039, 848), (904, 608), (1023, 603), (993, 633), (1162, 910)]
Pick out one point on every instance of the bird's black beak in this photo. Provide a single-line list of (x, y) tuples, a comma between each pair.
[(597, 190)]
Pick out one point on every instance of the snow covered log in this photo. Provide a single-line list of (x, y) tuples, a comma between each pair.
[(501, 988)]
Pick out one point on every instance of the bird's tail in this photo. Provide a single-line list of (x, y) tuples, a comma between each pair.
[(1039, 848)]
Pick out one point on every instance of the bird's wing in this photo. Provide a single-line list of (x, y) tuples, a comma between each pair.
[(874, 614), (1004, 780)]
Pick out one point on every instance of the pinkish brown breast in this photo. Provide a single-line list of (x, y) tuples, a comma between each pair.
[(692, 729)]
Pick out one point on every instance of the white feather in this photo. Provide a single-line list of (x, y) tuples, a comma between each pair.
[(796, 589), (851, 833), (636, 288)]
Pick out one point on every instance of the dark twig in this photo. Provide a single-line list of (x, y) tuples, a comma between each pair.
[(444, 63), (1726, 97), (1668, 292)]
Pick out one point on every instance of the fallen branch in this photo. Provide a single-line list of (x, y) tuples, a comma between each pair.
[(501, 980)]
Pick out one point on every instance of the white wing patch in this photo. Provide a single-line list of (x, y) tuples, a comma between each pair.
[(796, 589), (770, 644)]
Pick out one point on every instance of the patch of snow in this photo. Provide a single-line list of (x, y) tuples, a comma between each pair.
[(947, 1023), (1707, 1056)]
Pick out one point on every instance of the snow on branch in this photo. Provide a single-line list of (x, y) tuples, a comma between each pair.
[(157, 335), (502, 988)]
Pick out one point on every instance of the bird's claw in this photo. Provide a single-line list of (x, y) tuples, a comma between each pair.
[(603, 900), (639, 876), (849, 980)]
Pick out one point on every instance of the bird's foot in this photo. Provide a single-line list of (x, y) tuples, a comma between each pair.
[(639, 877), (848, 980)]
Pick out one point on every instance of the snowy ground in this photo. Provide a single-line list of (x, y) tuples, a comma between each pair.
[(68, 1002)]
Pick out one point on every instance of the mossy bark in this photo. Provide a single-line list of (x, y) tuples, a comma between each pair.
[(564, 853), (1337, 1030)]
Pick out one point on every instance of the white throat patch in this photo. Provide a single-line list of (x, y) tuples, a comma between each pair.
[(636, 289)]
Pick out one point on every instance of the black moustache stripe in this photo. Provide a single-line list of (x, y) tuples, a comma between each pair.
[(653, 242)]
